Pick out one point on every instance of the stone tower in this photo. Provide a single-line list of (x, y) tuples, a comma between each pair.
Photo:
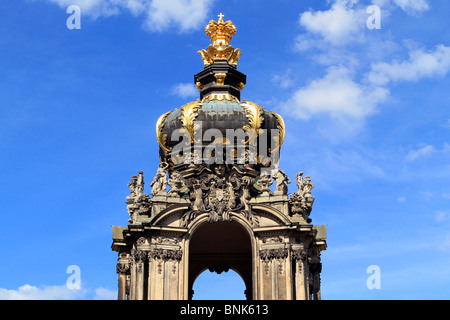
[(219, 200)]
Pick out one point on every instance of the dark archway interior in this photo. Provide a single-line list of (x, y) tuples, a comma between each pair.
[(219, 247)]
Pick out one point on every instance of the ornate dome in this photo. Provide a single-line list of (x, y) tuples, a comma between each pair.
[(218, 127)]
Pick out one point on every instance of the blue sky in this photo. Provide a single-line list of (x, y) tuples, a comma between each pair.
[(366, 113)]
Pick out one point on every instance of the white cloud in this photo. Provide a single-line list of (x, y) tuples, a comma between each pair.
[(185, 90), (159, 14), (28, 292), (421, 64), (339, 25), (420, 153), (401, 199), (187, 14), (284, 81), (105, 294), (337, 95), (412, 6), (93, 8)]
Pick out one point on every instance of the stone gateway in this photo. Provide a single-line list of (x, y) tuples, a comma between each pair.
[(211, 206)]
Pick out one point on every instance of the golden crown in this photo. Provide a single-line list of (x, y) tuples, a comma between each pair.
[(220, 33)]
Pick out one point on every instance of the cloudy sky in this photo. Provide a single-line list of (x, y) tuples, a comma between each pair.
[(366, 110)]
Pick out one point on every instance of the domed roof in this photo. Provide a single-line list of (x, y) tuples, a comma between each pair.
[(218, 122)]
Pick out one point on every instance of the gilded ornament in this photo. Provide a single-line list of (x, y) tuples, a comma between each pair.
[(220, 33), (220, 78), (187, 118), (281, 130), (254, 114), (162, 138), (220, 97)]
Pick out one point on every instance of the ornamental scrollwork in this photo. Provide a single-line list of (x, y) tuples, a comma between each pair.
[(219, 192)]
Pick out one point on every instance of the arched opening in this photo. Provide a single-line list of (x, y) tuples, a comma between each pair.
[(224, 286), (219, 247)]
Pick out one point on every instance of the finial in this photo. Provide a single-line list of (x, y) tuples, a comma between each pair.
[(220, 33)]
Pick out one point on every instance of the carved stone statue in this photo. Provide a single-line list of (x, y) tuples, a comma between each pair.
[(299, 180), (264, 182), (137, 202), (281, 182), (176, 183), (197, 195), (301, 201), (304, 185), (140, 184), (307, 187), (159, 183), (132, 186)]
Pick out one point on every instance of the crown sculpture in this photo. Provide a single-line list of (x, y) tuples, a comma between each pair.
[(220, 33), (219, 199)]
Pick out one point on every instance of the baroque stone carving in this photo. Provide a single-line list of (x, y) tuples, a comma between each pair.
[(159, 183), (176, 183), (281, 182), (275, 239), (138, 255), (219, 192), (264, 182), (301, 201), (304, 185), (166, 254), (138, 202), (123, 268), (273, 254)]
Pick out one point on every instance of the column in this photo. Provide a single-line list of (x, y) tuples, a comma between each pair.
[(300, 284), (123, 269)]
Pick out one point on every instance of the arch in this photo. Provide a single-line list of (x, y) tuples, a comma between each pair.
[(159, 218), (220, 246), (277, 216), (228, 285)]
